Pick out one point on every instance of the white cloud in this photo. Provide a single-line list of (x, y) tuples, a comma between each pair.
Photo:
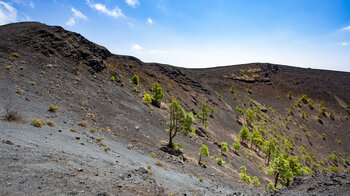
[(132, 3), (25, 3), (345, 28), (8, 13), (343, 43), (76, 16), (31, 4), (131, 24), (116, 12), (149, 21), (136, 48)]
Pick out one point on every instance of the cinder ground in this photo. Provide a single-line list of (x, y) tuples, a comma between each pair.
[(54, 66)]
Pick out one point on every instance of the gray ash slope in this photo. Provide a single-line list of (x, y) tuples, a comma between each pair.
[(55, 66)]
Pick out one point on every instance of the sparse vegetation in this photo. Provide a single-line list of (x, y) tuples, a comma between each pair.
[(219, 161), (331, 114), (82, 123), (53, 108), (250, 86), (244, 175), (159, 163), (244, 134), (147, 98), (203, 115), (236, 146), (241, 72), (153, 155), (233, 88), (50, 123), (224, 147), (271, 187), (136, 79), (255, 181), (73, 129), (37, 122), (19, 91), (261, 167)]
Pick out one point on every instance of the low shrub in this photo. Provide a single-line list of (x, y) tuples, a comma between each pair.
[(19, 90), (53, 108), (255, 181), (219, 161), (11, 115), (244, 175), (37, 122), (271, 187), (136, 79)]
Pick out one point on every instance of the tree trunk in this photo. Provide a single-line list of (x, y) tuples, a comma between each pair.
[(268, 158), (288, 182), (276, 179), (170, 144), (200, 159)]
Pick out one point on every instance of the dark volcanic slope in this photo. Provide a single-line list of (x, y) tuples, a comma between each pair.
[(42, 65)]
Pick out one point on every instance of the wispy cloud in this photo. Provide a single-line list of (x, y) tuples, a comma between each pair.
[(31, 4), (25, 3), (132, 3), (76, 16), (345, 28), (149, 21), (343, 43), (136, 48), (8, 13), (116, 12)]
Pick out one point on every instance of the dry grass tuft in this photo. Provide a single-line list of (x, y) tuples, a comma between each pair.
[(99, 139), (153, 155), (53, 108), (159, 163), (12, 115), (50, 123), (82, 123)]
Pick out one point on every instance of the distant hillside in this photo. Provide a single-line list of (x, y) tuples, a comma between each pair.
[(100, 136)]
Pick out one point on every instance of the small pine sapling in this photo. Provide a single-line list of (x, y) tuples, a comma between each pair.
[(219, 161), (236, 146), (135, 79), (158, 95), (224, 147), (203, 151), (180, 120), (203, 115)]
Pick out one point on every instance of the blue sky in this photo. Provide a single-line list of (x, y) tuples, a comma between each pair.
[(204, 33)]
